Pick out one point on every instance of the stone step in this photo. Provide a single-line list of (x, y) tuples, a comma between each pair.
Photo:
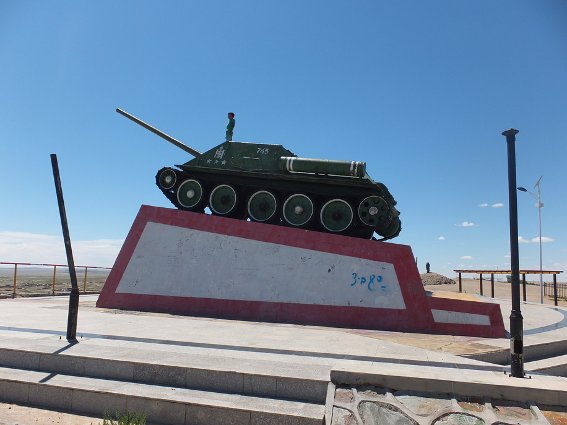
[(532, 353), (556, 366), (540, 389), (215, 371), (163, 404)]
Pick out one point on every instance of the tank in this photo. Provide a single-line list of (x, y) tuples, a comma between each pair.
[(270, 184)]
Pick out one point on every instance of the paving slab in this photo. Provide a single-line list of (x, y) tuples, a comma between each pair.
[(45, 319)]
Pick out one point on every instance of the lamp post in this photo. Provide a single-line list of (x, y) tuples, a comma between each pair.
[(516, 319), (539, 206)]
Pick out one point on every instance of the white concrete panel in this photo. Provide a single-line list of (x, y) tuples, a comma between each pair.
[(176, 261), (443, 316)]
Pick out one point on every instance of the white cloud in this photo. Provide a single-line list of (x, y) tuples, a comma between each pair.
[(50, 249), (441, 238), (507, 256), (466, 257), (544, 239), (497, 205), (466, 224), (484, 205)]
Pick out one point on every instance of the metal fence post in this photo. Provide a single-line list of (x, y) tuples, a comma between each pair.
[(15, 277), (85, 282), (53, 280), (555, 289)]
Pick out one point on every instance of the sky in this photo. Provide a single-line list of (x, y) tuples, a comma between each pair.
[(421, 91)]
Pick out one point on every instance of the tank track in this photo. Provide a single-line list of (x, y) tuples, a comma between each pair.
[(320, 194)]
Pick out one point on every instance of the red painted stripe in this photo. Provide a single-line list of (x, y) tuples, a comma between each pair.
[(307, 314), (494, 330)]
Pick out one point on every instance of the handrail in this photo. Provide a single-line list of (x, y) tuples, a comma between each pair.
[(527, 271), (51, 265), (554, 274), (53, 280)]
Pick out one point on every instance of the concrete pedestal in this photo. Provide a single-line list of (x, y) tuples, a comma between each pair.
[(195, 264)]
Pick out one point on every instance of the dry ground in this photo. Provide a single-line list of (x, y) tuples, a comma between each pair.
[(14, 414)]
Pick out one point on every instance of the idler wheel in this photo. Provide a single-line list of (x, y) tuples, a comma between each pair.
[(336, 215), (190, 193), (167, 178), (297, 209), (222, 200), (262, 206), (393, 229), (373, 210)]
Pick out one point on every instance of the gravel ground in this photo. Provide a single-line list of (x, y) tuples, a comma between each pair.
[(436, 279)]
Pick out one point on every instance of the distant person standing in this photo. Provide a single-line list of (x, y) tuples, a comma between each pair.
[(230, 126), (427, 267)]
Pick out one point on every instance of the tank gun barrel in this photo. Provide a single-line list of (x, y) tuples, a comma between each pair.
[(161, 134)]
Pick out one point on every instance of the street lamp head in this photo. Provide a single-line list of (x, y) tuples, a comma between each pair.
[(522, 189), (511, 133)]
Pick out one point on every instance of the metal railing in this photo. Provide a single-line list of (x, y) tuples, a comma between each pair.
[(551, 292), (53, 275), (548, 290)]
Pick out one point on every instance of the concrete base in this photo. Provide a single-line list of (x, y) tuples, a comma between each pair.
[(184, 263)]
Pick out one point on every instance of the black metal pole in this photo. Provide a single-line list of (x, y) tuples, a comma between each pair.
[(516, 319), (460, 283), (481, 291), (492, 285), (74, 297), (555, 289)]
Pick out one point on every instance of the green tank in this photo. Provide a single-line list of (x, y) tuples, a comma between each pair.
[(270, 184)]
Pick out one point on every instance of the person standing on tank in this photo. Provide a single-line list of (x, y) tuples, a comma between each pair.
[(230, 126)]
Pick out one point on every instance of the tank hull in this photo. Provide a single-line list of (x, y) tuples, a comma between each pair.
[(334, 201)]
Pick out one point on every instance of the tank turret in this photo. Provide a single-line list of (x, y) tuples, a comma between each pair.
[(270, 184)]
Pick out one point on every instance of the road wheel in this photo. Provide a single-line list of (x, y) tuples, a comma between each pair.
[(223, 200), (262, 206), (190, 194), (336, 215), (297, 210)]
